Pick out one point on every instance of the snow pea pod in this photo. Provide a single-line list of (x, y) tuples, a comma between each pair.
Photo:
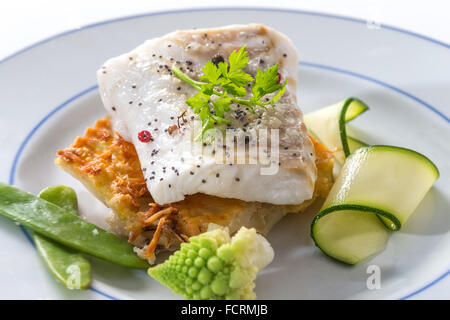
[(62, 196), (63, 227), (66, 265)]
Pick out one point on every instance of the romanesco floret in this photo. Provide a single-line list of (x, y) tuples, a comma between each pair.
[(214, 266)]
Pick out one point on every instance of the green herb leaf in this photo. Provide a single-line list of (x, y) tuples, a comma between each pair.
[(278, 96), (221, 106), (211, 73), (223, 67), (235, 90), (238, 60), (266, 82), (196, 102), (227, 83), (240, 78)]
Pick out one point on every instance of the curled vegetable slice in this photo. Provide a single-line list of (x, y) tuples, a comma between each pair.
[(377, 190), (66, 265), (328, 125), (354, 144), (63, 227)]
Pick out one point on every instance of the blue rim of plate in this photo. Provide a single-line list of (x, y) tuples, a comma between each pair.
[(306, 64), (157, 13)]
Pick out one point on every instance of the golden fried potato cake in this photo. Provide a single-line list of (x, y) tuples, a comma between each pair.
[(109, 168)]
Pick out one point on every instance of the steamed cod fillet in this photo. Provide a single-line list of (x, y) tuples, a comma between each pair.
[(109, 167), (140, 92)]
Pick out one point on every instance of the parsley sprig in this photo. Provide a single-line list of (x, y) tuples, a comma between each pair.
[(226, 83)]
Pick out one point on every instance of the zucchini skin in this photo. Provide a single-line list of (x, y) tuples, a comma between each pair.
[(343, 119), (356, 207), (335, 203), (401, 149), (338, 114)]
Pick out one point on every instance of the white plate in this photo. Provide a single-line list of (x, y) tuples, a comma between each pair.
[(49, 97)]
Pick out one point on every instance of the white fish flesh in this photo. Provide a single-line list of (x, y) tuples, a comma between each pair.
[(141, 94)]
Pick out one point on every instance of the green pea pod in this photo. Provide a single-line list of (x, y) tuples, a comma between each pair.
[(67, 266), (62, 196), (63, 227)]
